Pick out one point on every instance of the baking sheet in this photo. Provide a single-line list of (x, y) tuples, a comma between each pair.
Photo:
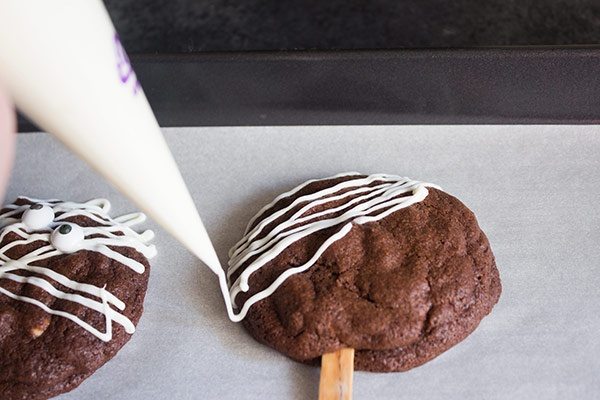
[(535, 190)]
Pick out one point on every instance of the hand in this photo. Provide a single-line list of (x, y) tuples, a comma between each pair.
[(7, 140)]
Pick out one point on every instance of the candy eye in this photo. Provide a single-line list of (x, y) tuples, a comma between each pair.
[(38, 216), (67, 237)]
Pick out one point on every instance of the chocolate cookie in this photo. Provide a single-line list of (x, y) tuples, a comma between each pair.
[(397, 269), (72, 286)]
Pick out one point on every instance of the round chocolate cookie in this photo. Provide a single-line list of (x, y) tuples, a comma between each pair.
[(72, 286), (397, 269)]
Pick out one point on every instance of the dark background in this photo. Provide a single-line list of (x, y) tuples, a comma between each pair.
[(217, 62), (181, 26)]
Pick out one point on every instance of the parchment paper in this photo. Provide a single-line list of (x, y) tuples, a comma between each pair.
[(535, 190)]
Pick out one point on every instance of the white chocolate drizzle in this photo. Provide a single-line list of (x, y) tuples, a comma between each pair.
[(356, 201), (109, 232)]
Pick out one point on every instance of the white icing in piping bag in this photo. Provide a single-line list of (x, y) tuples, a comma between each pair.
[(63, 63)]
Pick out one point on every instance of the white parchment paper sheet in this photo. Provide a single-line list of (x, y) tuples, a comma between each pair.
[(535, 190)]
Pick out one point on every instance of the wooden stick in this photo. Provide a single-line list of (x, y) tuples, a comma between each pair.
[(336, 375)]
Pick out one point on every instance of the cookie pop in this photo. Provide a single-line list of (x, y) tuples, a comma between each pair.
[(378, 272), (72, 287)]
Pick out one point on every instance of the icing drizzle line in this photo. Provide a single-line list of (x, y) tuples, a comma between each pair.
[(110, 232), (363, 199)]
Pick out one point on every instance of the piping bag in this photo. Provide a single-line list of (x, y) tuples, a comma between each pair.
[(63, 64)]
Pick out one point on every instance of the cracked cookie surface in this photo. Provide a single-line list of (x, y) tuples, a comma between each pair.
[(400, 290)]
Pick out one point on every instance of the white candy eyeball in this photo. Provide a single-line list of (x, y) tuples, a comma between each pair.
[(67, 237), (38, 216)]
